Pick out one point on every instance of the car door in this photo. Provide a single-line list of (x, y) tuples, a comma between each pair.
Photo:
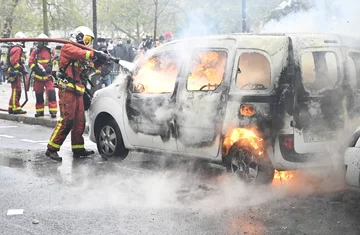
[(150, 103), (201, 101), (318, 110)]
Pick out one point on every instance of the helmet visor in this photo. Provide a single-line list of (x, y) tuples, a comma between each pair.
[(87, 40)]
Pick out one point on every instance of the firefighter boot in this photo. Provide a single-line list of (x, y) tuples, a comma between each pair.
[(39, 114), (19, 112), (53, 115), (83, 153), (53, 155)]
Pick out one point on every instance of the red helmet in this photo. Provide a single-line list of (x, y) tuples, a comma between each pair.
[(168, 35)]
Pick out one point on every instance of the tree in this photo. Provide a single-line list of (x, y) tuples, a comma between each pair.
[(9, 16)]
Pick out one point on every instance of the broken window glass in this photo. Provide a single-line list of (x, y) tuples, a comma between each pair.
[(158, 74), (207, 71), (254, 71), (319, 70)]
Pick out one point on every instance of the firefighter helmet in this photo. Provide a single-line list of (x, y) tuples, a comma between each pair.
[(82, 35), (20, 35), (41, 44)]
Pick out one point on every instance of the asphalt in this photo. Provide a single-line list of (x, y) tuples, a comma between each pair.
[(151, 194), (29, 117)]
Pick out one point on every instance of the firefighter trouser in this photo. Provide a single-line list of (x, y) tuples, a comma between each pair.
[(72, 119), (39, 92), (14, 102)]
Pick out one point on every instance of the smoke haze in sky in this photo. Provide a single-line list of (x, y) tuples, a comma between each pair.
[(328, 16)]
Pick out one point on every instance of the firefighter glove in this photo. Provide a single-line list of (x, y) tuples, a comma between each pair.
[(48, 68), (22, 70), (101, 56), (37, 70)]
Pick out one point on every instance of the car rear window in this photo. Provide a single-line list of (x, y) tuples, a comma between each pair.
[(158, 74), (207, 70), (319, 69), (254, 71)]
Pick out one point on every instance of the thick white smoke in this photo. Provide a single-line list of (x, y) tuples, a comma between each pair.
[(327, 16)]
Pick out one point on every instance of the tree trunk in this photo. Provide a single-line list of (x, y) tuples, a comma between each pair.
[(45, 18), (94, 23), (156, 18), (9, 19)]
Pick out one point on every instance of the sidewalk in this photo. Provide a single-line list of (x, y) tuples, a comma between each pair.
[(29, 117)]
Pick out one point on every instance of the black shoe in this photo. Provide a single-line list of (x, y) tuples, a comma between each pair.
[(19, 112), (53, 115), (10, 111), (83, 153), (53, 155), (39, 114)]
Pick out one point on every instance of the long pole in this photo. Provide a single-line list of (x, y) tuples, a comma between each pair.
[(156, 16), (45, 18), (243, 16), (94, 23)]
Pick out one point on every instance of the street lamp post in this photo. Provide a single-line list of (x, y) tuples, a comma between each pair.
[(243, 8)]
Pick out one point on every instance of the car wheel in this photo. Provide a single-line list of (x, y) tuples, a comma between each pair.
[(109, 140), (248, 166)]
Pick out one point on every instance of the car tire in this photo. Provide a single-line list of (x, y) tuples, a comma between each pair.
[(263, 166), (109, 140)]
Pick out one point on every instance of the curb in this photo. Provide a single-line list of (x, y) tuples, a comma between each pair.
[(33, 120), (29, 120)]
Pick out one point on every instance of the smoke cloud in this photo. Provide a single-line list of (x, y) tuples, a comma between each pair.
[(327, 16)]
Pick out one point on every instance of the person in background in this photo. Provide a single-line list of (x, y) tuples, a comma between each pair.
[(106, 69), (168, 37), (40, 62), (15, 72), (160, 41), (110, 47)]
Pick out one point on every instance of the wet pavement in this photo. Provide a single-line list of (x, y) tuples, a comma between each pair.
[(154, 195)]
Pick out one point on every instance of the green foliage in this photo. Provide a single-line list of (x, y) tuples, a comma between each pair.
[(135, 18)]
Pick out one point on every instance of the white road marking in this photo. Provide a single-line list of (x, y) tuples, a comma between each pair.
[(35, 141), (7, 136), (8, 127)]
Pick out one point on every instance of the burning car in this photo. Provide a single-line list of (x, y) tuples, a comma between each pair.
[(352, 160), (255, 103)]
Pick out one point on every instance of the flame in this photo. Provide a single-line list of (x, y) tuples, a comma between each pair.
[(157, 75), (209, 68), (247, 137), (283, 176)]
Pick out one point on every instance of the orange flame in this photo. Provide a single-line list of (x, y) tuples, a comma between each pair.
[(157, 75), (248, 137), (209, 67), (281, 177)]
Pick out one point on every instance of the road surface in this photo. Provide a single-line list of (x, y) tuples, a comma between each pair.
[(143, 195)]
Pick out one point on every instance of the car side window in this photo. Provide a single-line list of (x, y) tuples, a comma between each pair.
[(158, 74), (319, 70), (254, 71), (207, 70)]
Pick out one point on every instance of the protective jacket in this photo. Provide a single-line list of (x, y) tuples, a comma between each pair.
[(43, 59), (72, 60)]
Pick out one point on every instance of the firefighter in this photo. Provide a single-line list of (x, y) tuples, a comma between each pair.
[(16, 69), (73, 61), (41, 64)]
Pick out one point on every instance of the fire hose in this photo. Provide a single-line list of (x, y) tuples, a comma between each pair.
[(56, 40)]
